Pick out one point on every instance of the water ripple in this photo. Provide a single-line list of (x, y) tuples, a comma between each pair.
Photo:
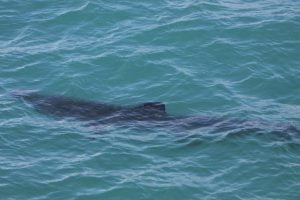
[(216, 58)]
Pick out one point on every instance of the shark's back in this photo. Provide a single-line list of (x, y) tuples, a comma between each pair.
[(88, 110)]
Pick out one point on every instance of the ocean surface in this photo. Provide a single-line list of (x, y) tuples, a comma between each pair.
[(222, 58)]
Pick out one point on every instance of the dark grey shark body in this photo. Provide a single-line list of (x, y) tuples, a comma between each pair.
[(148, 115), (97, 113)]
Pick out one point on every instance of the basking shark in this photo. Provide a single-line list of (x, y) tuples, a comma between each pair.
[(149, 113)]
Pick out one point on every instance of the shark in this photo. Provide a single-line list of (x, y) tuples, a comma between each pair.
[(148, 114)]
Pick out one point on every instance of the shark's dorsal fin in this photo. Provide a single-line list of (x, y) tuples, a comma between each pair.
[(152, 106)]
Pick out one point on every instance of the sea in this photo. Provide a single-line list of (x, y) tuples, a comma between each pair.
[(230, 59)]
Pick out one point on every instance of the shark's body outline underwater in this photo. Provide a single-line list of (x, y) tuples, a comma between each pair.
[(145, 114)]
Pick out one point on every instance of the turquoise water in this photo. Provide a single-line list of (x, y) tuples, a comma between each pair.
[(214, 58)]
